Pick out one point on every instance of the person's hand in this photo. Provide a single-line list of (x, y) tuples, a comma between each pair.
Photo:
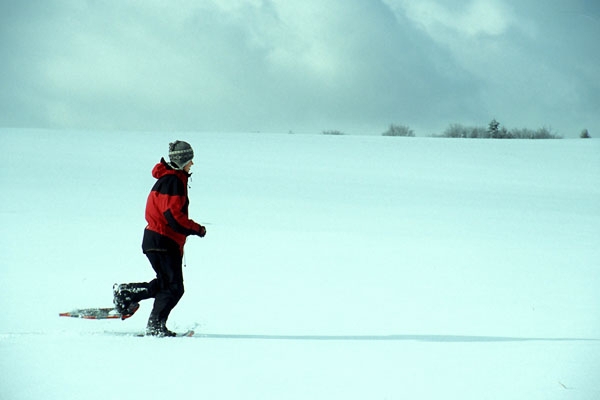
[(201, 231)]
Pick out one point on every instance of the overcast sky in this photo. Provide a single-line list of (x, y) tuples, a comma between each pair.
[(300, 65)]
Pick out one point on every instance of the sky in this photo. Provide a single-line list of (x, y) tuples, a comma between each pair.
[(301, 66)]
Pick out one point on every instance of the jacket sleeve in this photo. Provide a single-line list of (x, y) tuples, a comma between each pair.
[(177, 218)]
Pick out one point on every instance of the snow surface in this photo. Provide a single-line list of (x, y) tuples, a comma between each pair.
[(335, 267)]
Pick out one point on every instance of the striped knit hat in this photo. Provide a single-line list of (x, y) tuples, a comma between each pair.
[(180, 153)]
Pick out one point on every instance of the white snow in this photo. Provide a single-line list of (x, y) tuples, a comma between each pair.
[(335, 267)]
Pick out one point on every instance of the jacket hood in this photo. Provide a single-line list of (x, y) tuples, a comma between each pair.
[(163, 168)]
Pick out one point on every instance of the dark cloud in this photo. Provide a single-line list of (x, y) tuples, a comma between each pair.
[(304, 66)]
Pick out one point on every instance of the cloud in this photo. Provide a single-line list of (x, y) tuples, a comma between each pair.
[(218, 65), (478, 17), (304, 66), (531, 63)]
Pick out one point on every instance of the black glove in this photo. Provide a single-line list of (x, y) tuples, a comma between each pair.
[(201, 231)]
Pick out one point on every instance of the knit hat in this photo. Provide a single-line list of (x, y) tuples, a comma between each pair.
[(180, 153)]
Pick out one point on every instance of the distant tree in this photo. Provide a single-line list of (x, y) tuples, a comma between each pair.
[(399, 130), (526, 133), (585, 134), (493, 129), (455, 131), (332, 132), (545, 133), (478, 132), (461, 131), (522, 133)]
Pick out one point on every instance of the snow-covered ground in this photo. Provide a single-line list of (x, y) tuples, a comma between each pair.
[(335, 267)]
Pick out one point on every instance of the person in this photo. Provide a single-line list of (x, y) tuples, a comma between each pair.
[(163, 241)]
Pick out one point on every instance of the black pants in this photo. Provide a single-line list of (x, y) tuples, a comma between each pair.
[(167, 288)]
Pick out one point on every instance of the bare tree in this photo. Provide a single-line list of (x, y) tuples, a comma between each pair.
[(585, 134), (399, 130)]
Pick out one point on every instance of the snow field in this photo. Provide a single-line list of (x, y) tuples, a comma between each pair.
[(479, 257)]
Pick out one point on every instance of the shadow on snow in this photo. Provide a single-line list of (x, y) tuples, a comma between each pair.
[(418, 338)]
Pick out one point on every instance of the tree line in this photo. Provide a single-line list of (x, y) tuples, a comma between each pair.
[(494, 130)]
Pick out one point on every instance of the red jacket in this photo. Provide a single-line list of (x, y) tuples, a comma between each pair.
[(167, 211)]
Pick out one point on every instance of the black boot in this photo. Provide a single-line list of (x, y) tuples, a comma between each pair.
[(158, 328), (126, 296)]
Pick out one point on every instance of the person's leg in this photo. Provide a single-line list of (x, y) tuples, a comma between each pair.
[(170, 289), (125, 294)]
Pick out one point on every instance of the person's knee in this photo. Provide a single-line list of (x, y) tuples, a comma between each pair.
[(177, 290)]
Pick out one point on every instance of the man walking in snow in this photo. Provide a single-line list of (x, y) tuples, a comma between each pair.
[(163, 242)]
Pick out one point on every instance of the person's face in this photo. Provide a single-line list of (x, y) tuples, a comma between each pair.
[(188, 166)]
